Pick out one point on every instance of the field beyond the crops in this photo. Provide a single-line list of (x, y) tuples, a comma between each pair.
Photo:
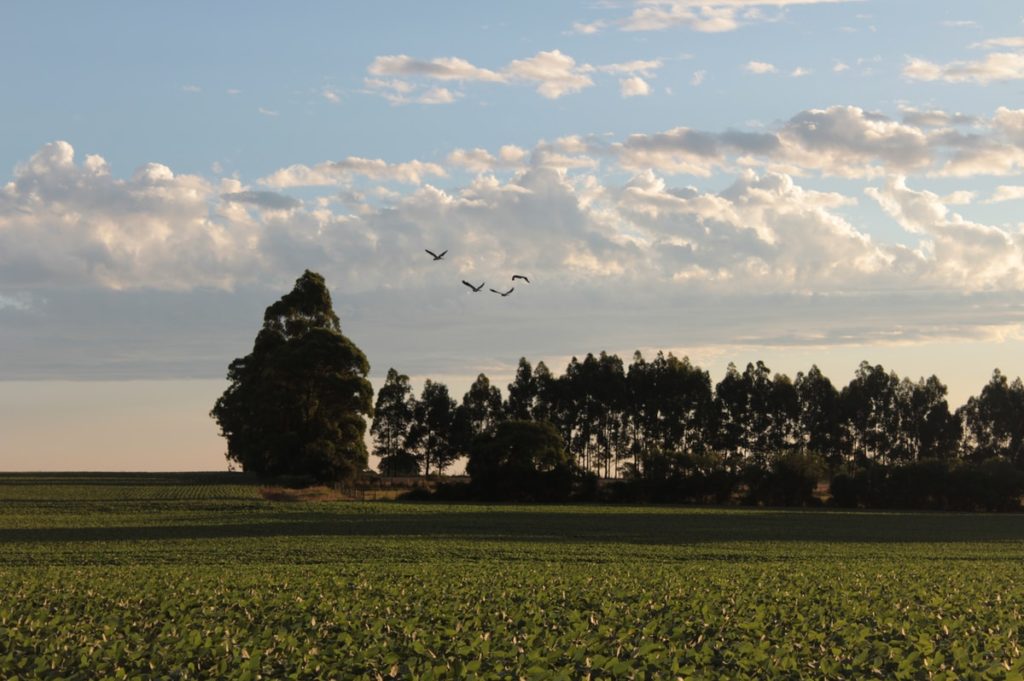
[(198, 576)]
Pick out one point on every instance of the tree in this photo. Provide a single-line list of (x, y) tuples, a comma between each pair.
[(520, 460), (432, 434), (298, 403), (392, 418), (994, 421), (483, 406), (872, 413), (820, 415), (522, 393)]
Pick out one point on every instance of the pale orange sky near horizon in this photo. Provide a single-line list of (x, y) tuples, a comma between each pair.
[(164, 425)]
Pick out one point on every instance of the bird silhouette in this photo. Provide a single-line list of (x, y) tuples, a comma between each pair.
[(519, 276), (503, 294), (435, 255), (476, 289)]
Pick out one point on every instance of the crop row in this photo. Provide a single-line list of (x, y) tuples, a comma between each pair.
[(490, 621)]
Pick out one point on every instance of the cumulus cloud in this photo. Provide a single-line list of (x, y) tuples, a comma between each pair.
[(554, 73), (698, 77), (343, 171), (634, 87), (961, 253), (623, 254), (263, 199), (480, 160), (759, 67), (706, 16), (841, 140), (401, 78), (1006, 193), (935, 118), (996, 66), (69, 223), (992, 43), (442, 68)]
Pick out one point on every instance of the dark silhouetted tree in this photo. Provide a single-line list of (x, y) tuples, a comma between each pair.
[(994, 421), (820, 419), (483, 406), (871, 412), (392, 418), (931, 431), (298, 403), (524, 460), (522, 393), (432, 435)]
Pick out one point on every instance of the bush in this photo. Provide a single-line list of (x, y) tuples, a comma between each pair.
[(790, 480)]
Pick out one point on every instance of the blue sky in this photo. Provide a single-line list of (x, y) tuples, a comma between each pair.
[(798, 180)]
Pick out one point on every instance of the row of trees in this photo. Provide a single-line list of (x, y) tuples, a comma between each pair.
[(653, 417), (298, 404)]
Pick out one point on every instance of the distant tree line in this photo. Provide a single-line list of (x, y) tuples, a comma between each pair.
[(658, 430)]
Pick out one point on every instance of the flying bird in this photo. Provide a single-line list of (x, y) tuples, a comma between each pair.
[(502, 294), (519, 276), (436, 256), (476, 289)]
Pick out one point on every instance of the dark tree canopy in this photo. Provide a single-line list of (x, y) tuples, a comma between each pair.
[(434, 434), (392, 419), (520, 460), (298, 403)]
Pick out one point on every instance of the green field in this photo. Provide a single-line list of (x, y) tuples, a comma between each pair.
[(196, 576)]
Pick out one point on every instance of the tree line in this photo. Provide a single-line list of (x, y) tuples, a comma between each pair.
[(665, 432), (655, 430)]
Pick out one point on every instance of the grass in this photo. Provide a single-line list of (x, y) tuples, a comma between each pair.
[(201, 575)]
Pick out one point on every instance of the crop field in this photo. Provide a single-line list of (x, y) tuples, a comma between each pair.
[(196, 576)]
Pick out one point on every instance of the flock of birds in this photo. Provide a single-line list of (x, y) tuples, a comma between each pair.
[(477, 289)]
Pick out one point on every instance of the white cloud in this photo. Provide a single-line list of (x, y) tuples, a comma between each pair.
[(707, 16), (442, 68), (966, 255), (613, 252), (996, 66), (554, 73), (935, 118), (191, 88), (268, 112), (341, 172), (437, 95), (480, 160), (800, 72), (400, 92), (992, 43), (634, 87), (698, 77), (1007, 193), (400, 78), (840, 67), (639, 67), (331, 95), (960, 23), (759, 67), (588, 29)]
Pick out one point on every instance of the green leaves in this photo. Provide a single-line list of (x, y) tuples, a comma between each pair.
[(196, 581)]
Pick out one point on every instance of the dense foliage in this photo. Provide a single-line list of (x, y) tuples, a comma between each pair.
[(666, 433), (197, 577), (298, 403)]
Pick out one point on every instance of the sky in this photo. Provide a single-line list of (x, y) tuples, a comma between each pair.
[(797, 181)]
